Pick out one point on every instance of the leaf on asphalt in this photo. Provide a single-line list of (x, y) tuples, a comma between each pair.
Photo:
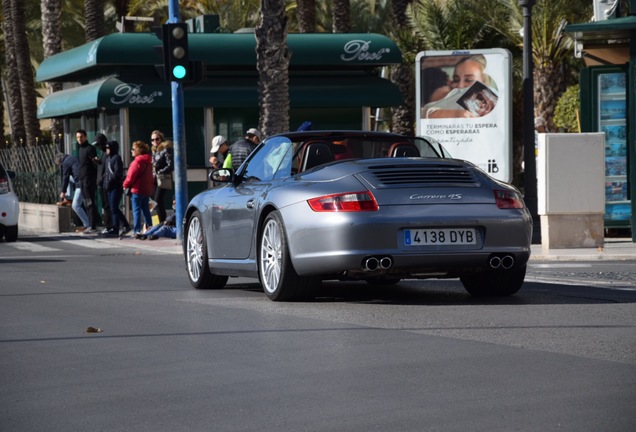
[(93, 330)]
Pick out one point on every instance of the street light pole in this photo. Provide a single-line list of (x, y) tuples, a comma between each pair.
[(529, 157)]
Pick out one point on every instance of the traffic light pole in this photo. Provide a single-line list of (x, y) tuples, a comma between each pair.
[(178, 131), (180, 178)]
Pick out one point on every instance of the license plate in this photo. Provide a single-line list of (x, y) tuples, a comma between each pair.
[(440, 236)]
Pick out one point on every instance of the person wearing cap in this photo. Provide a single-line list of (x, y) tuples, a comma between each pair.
[(240, 150), (218, 152)]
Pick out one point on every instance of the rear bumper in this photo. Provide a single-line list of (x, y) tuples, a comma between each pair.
[(341, 242)]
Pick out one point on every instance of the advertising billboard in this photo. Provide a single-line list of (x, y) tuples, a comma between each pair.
[(463, 100)]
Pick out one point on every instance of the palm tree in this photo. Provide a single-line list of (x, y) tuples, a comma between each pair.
[(554, 64), (403, 118), (52, 43), (454, 24), (306, 14), (341, 16), (272, 63), (552, 52), (234, 14), (12, 87), (94, 19), (25, 73)]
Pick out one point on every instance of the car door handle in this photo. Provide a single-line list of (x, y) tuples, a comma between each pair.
[(250, 204)]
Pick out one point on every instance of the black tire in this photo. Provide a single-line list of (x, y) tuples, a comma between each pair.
[(275, 271), (11, 233), (496, 283), (387, 281), (196, 256)]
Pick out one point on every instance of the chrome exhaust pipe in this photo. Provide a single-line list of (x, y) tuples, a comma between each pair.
[(507, 262), (386, 262), (371, 264), (495, 262)]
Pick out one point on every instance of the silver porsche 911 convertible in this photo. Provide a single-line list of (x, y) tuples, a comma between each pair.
[(379, 207)]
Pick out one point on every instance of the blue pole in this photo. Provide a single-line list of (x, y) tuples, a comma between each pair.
[(178, 131)]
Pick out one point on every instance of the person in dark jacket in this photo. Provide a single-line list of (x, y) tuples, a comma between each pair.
[(240, 150), (69, 165), (100, 143), (87, 178), (112, 183), (163, 163)]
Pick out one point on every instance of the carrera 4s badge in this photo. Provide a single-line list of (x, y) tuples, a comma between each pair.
[(436, 197)]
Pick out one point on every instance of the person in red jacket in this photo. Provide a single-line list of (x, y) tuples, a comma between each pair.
[(141, 183)]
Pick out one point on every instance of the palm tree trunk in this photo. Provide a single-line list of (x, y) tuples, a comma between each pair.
[(272, 63), (403, 117), (12, 85), (306, 14), (341, 16), (549, 85), (52, 43), (93, 19), (25, 74)]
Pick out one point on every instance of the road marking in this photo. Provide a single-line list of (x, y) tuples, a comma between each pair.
[(38, 257), (38, 247), (32, 247), (604, 284), (549, 266), (90, 243)]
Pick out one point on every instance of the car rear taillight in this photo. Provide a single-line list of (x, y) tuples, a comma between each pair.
[(346, 202), (506, 199), (4, 186)]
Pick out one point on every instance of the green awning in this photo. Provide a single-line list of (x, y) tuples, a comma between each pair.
[(228, 92), (603, 31), (109, 93), (119, 52)]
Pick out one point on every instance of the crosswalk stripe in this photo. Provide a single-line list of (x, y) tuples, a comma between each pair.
[(90, 243), (38, 247), (31, 247)]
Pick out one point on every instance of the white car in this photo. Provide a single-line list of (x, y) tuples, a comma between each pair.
[(9, 206)]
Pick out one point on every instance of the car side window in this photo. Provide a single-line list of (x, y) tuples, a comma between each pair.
[(273, 160)]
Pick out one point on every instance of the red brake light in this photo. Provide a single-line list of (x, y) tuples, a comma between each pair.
[(508, 200), (346, 202)]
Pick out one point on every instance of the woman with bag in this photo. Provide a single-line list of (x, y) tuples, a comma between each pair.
[(112, 181), (140, 181), (163, 166)]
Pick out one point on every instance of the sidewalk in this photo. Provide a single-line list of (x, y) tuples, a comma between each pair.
[(614, 249)]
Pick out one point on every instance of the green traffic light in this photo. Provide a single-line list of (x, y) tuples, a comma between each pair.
[(179, 72)]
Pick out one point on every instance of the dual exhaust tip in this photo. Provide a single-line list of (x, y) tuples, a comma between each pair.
[(375, 263), (372, 263), (506, 262)]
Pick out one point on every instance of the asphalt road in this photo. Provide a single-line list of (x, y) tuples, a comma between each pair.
[(421, 356)]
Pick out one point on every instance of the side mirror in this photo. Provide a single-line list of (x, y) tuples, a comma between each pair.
[(222, 175)]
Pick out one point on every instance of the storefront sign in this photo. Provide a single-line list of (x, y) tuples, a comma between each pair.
[(131, 94), (361, 50)]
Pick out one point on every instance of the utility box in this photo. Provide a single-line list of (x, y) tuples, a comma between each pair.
[(571, 189)]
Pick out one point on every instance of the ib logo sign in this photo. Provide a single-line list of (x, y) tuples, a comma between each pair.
[(492, 166)]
